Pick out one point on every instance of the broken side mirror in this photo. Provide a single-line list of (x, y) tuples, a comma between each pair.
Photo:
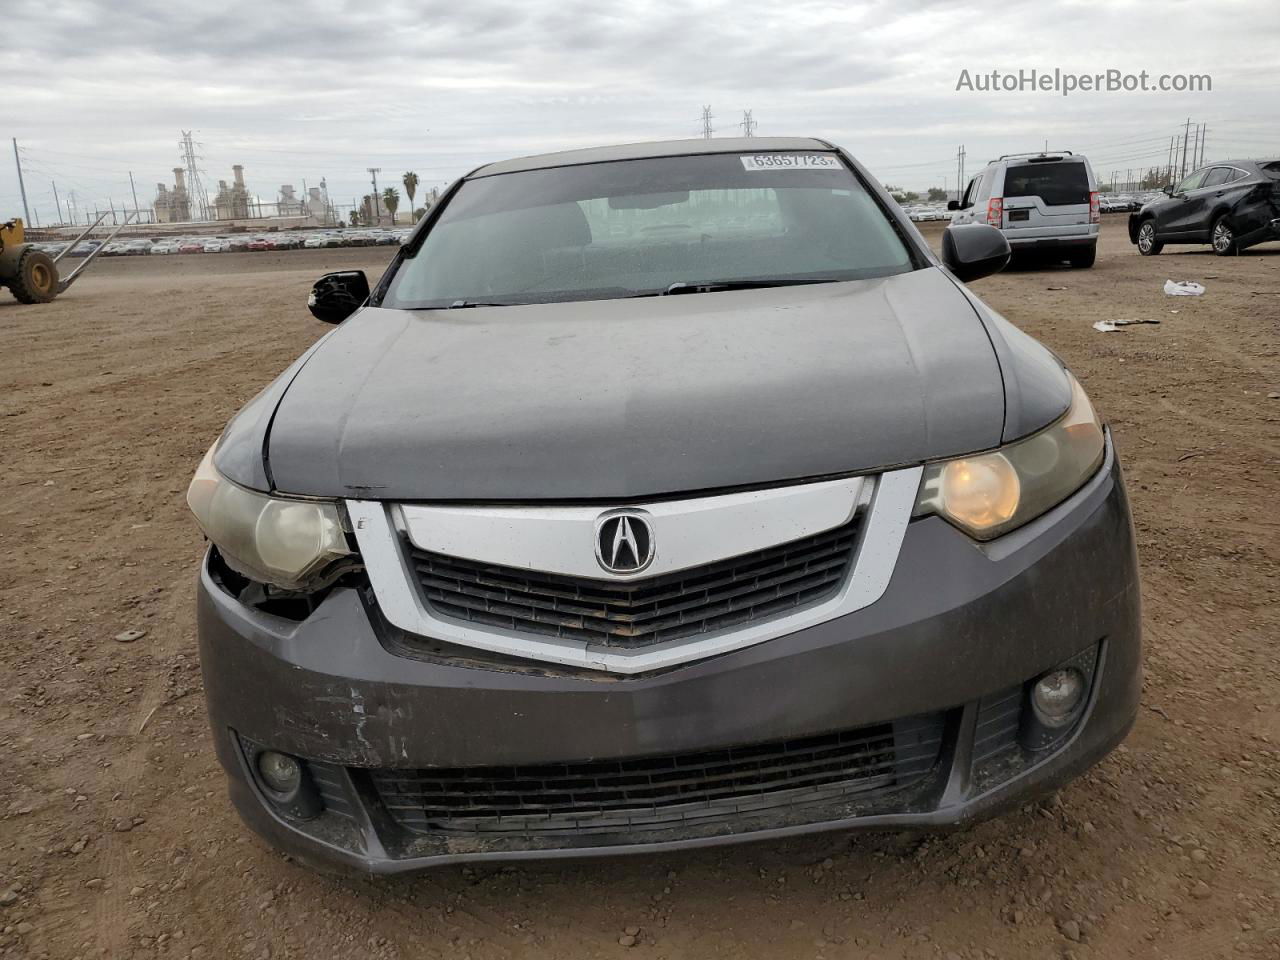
[(336, 296)]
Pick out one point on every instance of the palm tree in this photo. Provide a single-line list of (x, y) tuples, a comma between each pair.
[(410, 186), (391, 200)]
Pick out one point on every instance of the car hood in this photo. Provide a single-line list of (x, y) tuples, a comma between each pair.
[(626, 399)]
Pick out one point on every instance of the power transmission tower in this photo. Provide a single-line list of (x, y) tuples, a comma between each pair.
[(748, 124), (194, 187), (26, 213), (377, 211), (707, 129)]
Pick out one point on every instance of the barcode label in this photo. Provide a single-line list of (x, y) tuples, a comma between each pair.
[(790, 161)]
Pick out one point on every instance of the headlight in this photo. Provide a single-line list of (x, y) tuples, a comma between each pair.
[(992, 493), (272, 540)]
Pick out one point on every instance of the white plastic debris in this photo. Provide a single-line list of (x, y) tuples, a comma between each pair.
[(1111, 326), (1183, 288)]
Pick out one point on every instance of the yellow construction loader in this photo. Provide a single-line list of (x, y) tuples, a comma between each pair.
[(31, 274)]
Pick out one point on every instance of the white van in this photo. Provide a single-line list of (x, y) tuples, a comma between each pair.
[(1043, 202)]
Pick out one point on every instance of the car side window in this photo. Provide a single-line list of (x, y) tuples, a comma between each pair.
[(1192, 182), (1236, 175), (1218, 176), (971, 192)]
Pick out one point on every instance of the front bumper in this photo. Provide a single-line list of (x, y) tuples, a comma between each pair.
[(959, 632)]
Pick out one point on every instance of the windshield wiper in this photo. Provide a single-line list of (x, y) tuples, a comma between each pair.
[(712, 286), (460, 304)]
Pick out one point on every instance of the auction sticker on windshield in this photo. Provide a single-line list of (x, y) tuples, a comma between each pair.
[(790, 161)]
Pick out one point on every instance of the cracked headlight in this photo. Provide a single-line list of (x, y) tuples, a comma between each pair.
[(988, 494), (284, 542)]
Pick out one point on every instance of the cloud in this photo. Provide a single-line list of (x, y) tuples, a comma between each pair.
[(327, 88)]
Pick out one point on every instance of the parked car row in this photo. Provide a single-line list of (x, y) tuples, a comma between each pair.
[(1120, 203), (163, 246), (922, 212)]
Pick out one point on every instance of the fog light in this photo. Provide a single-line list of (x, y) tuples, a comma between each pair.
[(1057, 695), (279, 771)]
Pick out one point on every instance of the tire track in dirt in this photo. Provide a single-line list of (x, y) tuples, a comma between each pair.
[(113, 909)]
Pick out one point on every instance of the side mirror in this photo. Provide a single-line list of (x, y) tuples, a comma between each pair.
[(1167, 191), (336, 296), (973, 250), (953, 204)]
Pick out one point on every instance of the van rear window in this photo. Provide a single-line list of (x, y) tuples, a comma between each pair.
[(1056, 184)]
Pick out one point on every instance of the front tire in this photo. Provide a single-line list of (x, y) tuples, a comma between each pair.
[(37, 278), (1223, 239), (1084, 258), (1148, 245)]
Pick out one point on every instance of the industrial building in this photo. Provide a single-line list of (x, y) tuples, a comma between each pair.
[(232, 202), (173, 206)]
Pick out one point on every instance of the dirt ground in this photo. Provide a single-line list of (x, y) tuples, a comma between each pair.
[(116, 839)]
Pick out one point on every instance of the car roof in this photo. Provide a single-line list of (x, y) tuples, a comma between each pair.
[(1017, 159), (1246, 164), (644, 151)]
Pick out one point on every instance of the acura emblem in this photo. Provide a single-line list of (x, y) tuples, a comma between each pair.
[(624, 542)]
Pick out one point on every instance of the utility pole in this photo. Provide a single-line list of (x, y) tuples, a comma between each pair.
[(748, 125), (1204, 135), (377, 210), (1186, 134), (707, 129), (26, 213), (134, 191), (56, 202), (960, 173)]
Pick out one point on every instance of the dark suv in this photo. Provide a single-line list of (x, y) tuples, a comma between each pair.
[(661, 495), (1231, 205)]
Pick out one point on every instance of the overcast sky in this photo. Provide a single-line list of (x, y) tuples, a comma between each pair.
[(325, 88)]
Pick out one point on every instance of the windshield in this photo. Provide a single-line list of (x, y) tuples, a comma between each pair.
[(649, 227)]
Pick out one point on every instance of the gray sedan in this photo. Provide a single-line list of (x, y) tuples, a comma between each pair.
[(587, 530)]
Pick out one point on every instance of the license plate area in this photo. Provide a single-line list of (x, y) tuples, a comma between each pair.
[(1019, 215)]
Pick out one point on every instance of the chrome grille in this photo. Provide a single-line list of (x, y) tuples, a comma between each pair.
[(745, 589)]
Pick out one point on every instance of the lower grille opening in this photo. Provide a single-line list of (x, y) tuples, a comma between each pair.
[(662, 791)]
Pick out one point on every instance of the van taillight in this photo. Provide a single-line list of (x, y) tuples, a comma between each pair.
[(995, 211), (1095, 215)]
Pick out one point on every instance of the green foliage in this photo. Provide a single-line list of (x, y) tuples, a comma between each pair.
[(391, 200)]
